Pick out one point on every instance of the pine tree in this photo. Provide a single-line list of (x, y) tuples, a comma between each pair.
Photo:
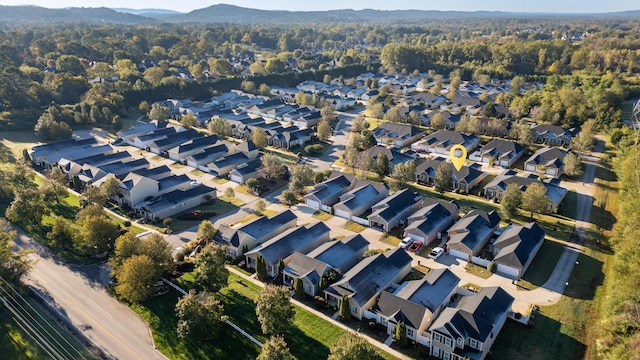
[(299, 288), (261, 268), (400, 336), (345, 311)]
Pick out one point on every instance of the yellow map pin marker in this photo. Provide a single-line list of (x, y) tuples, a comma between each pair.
[(458, 155)]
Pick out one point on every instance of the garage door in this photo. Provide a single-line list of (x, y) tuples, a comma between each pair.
[(459, 254), (313, 204), (508, 271), (417, 237), (342, 213), (236, 178)]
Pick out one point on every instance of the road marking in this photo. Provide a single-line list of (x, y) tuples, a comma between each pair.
[(98, 306)]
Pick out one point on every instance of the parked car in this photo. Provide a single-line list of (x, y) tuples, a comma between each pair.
[(415, 246), (436, 253), (405, 242)]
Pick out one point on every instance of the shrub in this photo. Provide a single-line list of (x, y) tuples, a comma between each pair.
[(492, 267), (313, 149)]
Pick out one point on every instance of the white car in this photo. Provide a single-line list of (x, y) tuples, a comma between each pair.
[(405, 242), (436, 253)]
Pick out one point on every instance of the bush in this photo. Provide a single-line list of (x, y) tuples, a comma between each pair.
[(492, 267), (313, 149)]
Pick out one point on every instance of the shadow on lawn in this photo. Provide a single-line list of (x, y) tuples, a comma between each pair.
[(544, 341)]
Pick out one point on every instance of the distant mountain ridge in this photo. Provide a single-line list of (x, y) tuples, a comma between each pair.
[(223, 13)]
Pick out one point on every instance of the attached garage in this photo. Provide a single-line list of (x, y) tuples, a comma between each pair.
[(313, 204), (342, 213), (531, 168), (236, 178), (459, 254), (508, 271), (416, 237)]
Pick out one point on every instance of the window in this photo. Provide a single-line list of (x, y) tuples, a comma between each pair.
[(410, 333), (354, 309), (306, 287), (446, 355), (436, 351), (383, 321), (473, 343), (460, 342), (448, 342), (437, 337)]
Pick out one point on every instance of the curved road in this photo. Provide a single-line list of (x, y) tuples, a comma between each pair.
[(86, 303)]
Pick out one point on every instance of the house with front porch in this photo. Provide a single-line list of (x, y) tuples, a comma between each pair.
[(300, 239), (472, 233), (367, 280), (468, 330), (499, 152), (417, 303)]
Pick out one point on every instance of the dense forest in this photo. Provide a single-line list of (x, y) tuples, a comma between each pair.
[(55, 77)]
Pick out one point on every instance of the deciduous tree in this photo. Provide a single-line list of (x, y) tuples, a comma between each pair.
[(272, 167), (535, 199), (259, 138), (206, 231), (443, 180), (200, 316), (220, 127), (301, 176), (159, 112), (510, 201), (211, 273), (573, 164), (12, 264), (352, 347), (274, 310), (136, 278), (275, 349), (324, 130)]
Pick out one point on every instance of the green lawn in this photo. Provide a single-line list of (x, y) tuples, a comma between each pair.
[(354, 226), (568, 207), (542, 265), (478, 270), (321, 215)]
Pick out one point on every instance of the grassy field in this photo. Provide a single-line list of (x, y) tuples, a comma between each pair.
[(354, 226), (15, 343), (321, 215), (542, 265)]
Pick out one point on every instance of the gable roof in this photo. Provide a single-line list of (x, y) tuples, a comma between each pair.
[(393, 205), (371, 275), (394, 156), (264, 225), (396, 131), (517, 243), (550, 157), (301, 265), (361, 194), (332, 187), (466, 173), (499, 149), (196, 143), (473, 229), (290, 241), (432, 216), (500, 183), (338, 253), (447, 138), (557, 131)]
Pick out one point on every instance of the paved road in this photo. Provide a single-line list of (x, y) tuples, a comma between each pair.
[(339, 139), (80, 294)]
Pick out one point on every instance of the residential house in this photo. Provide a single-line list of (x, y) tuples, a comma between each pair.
[(430, 222), (468, 330), (248, 236), (359, 200), (241, 153), (48, 155), (552, 135), (498, 185), (73, 167), (130, 134), (143, 141), (299, 239), (430, 101), (327, 193), (472, 233), (441, 141), (464, 179), (246, 171), (548, 161), (196, 145), (308, 120), (450, 120), (160, 146), (175, 202), (368, 279), (337, 103), (337, 256), (499, 152), (291, 138), (398, 135), (204, 157), (136, 188), (394, 156), (394, 210), (516, 247), (417, 303)]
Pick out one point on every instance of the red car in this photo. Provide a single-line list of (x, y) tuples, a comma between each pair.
[(415, 246)]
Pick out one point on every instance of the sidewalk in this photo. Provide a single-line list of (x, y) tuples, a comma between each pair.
[(371, 340)]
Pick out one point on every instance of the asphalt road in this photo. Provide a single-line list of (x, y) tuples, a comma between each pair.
[(80, 294)]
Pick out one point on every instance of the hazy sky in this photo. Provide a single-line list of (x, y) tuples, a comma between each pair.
[(573, 6)]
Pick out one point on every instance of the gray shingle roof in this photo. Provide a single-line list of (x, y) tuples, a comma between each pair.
[(290, 241), (473, 229), (517, 243), (339, 253)]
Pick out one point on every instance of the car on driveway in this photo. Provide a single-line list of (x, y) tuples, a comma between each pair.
[(415, 246), (436, 253), (405, 242)]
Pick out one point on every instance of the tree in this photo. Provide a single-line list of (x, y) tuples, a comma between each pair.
[(189, 120), (136, 278), (27, 206), (489, 110), (298, 288), (110, 188), (220, 67), (301, 176), (403, 174), (200, 315), (97, 233), (61, 234), (585, 139), (12, 264), (253, 184), (143, 107), (358, 124), (535, 199), (573, 164), (289, 197), (350, 346), (260, 207), (275, 349), (261, 268), (156, 247), (57, 182), (206, 231), (220, 127), (125, 247), (274, 310), (382, 165), (324, 130), (259, 138), (229, 192), (159, 112), (211, 273), (443, 180), (438, 121), (328, 113), (400, 337), (92, 195), (272, 167), (345, 309), (510, 201), (264, 90)]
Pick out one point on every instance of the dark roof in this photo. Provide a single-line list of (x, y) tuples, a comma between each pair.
[(174, 139), (198, 143), (301, 265), (249, 167), (227, 160), (549, 128), (119, 169), (332, 187), (212, 152), (517, 243), (290, 241), (395, 204), (246, 146), (362, 194), (394, 156), (103, 159), (338, 253), (265, 225), (550, 157), (432, 217), (500, 183), (157, 134), (396, 130), (448, 138), (371, 275), (466, 173), (473, 229), (174, 197), (501, 148)]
